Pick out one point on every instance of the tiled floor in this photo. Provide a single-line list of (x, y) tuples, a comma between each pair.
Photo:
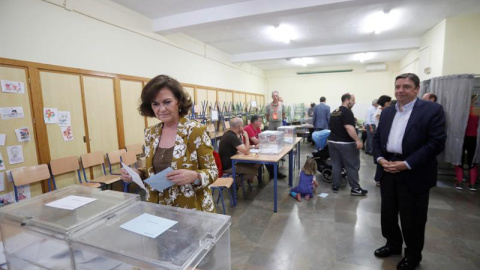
[(342, 231)]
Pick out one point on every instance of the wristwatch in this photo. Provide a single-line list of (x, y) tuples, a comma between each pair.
[(198, 181)]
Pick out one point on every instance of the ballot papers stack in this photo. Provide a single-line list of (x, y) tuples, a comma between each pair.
[(153, 236), (35, 232)]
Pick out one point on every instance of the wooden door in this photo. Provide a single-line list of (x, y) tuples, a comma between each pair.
[(8, 127), (133, 122), (63, 91)]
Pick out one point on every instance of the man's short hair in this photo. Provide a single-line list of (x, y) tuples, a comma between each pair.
[(235, 122), (312, 104), (433, 96), (346, 96), (273, 92), (323, 99), (384, 99), (254, 118), (412, 76), (375, 101)]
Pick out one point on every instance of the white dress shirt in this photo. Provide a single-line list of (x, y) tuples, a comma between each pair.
[(370, 117), (397, 131)]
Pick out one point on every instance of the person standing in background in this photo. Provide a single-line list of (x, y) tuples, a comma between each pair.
[(321, 115), (275, 112), (370, 126), (344, 145)]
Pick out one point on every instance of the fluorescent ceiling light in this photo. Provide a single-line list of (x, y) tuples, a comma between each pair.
[(283, 33), (304, 61), (362, 57), (381, 21)]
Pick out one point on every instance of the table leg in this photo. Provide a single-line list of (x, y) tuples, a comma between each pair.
[(234, 184), (275, 167), (290, 167), (260, 174)]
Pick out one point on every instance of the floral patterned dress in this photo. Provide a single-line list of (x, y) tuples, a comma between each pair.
[(192, 150)]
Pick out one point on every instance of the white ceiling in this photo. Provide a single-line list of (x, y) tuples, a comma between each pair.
[(331, 31)]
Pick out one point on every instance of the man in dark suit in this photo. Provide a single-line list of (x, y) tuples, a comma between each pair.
[(321, 115), (409, 137)]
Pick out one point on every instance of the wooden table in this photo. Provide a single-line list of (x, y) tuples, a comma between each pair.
[(270, 160)]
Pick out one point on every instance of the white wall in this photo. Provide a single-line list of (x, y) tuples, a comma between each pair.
[(462, 45), (366, 86), (90, 35)]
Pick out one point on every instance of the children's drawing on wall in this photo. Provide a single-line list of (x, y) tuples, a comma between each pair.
[(15, 154), (67, 133), (64, 118), (50, 115), (23, 192), (7, 198), (11, 112), (2, 163), (23, 134), (13, 87)]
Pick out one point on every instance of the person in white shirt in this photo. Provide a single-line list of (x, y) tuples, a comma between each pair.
[(370, 126)]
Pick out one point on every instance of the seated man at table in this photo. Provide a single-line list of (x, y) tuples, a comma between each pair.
[(230, 144), (252, 130)]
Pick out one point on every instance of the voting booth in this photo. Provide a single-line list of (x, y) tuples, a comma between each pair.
[(35, 232), (152, 236)]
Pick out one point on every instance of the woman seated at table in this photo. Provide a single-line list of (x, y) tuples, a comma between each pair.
[(179, 143)]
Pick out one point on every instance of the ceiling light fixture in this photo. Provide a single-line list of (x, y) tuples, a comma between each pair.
[(303, 61), (379, 22), (362, 57), (283, 33)]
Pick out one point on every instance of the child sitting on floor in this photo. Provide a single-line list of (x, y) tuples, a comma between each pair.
[(307, 182)]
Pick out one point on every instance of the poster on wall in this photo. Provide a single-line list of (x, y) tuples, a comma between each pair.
[(64, 118), (2, 139), (15, 154), (2, 181), (50, 115), (2, 163), (11, 112), (23, 192), (23, 134), (13, 87), (67, 133)]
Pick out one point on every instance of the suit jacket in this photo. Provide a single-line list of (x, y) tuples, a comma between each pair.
[(192, 150), (321, 116), (424, 139)]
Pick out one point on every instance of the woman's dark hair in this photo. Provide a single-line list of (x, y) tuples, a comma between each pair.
[(150, 91), (383, 99)]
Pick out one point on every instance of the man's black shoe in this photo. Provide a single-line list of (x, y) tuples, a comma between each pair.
[(281, 176), (407, 264), (387, 251)]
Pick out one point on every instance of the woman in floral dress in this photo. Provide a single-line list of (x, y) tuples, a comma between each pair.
[(179, 143)]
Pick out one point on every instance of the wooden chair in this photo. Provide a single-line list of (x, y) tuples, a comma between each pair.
[(137, 148), (221, 183), (129, 159), (114, 159), (66, 165), (97, 159), (28, 175)]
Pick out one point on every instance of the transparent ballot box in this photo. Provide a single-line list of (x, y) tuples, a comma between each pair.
[(271, 142), (35, 236), (196, 240), (290, 133)]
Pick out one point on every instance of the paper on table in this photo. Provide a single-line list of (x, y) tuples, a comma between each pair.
[(135, 177), (323, 195), (254, 151), (71, 202), (2, 139), (148, 225), (159, 181)]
